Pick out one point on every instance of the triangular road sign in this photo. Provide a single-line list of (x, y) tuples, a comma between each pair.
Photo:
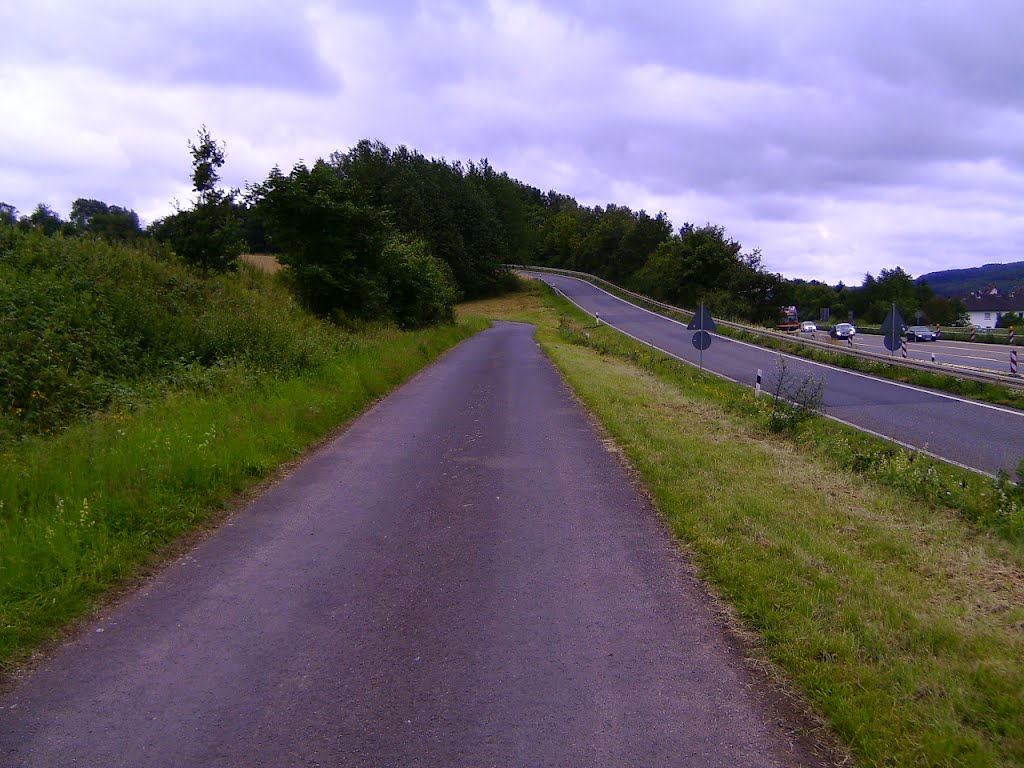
[(894, 320), (892, 328), (702, 320)]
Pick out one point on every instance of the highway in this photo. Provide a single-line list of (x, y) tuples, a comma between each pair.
[(987, 357), (980, 436)]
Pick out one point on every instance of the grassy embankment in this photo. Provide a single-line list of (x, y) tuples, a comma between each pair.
[(940, 380), (150, 396), (900, 618)]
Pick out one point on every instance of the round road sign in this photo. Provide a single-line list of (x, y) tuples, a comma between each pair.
[(702, 340)]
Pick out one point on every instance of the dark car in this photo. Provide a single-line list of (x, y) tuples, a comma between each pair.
[(842, 331), (921, 333)]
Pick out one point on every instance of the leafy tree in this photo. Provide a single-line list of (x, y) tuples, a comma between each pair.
[(329, 240), (810, 297), (107, 221), (45, 219), (421, 288), (561, 237), (876, 296), (518, 207), (444, 204), (345, 257), (702, 264), (84, 211), (253, 222), (942, 310), (1016, 319), (8, 214), (209, 234), (639, 242)]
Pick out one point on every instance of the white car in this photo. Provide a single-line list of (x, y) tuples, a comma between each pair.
[(808, 327)]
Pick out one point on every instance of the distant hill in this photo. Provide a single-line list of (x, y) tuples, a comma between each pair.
[(960, 282)]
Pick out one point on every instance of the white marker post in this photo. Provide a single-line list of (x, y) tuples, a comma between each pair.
[(757, 384)]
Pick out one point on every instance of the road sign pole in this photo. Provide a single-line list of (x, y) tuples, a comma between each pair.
[(892, 329), (702, 335), (704, 325), (896, 332)]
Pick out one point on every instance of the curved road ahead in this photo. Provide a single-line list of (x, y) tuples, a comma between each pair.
[(465, 577), (977, 435)]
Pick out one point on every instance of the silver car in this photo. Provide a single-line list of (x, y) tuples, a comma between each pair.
[(842, 331)]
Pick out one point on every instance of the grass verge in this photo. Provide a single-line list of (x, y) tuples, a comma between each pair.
[(83, 510), (900, 618)]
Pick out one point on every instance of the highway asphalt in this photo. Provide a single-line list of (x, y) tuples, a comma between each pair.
[(964, 354), (980, 436), (464, 577)]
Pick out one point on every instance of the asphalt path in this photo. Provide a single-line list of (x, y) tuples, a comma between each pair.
[(464, 577), (980, 436)]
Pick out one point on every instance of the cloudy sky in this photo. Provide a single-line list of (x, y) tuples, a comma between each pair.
[(839, 137)]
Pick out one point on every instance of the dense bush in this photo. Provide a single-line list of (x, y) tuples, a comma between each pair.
[(421, 288), (83, 322)]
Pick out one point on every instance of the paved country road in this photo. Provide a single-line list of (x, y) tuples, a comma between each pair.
[(977, 435), (464, 577)]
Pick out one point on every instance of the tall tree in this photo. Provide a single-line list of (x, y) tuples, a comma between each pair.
[(8, 214), (112, 222), (44, 218), (345, 257), (209, 234)]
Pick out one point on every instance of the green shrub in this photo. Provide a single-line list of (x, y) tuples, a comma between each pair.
[(421, 288), (85, 323)]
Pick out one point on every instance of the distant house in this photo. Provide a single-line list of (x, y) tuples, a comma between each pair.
[(988, 305)]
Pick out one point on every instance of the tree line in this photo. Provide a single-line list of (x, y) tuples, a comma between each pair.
[(874, 298), (382, 233)]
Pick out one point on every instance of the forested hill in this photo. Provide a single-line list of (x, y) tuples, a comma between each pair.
[(960, 282)]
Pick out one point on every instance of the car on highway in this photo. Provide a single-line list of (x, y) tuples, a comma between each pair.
[(842, 331), (921, 333), (808, 327)]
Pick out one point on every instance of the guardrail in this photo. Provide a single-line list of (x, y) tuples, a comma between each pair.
[(948, 369)]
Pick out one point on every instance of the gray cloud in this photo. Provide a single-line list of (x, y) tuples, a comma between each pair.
[(212, 44)]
